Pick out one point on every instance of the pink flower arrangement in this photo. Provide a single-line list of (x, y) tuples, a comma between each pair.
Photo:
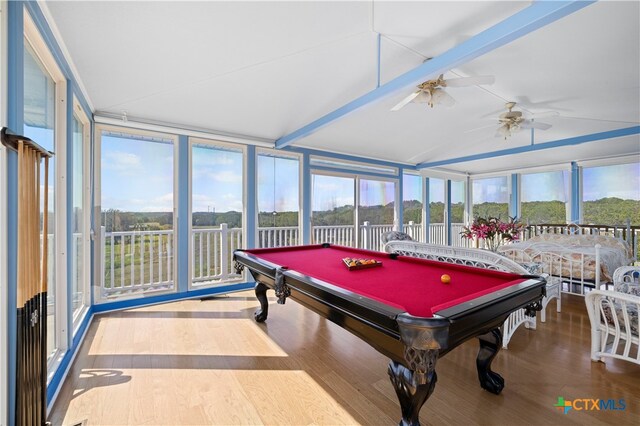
[(493, 231)]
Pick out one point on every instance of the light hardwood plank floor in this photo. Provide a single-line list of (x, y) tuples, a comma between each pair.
[(209, 363)]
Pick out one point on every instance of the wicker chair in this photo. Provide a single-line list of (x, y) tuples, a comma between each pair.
[(614, 317)]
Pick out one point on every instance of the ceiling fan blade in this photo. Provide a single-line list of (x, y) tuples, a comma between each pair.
[(406, 100), (470, 81), (545, 114), (530, 124)]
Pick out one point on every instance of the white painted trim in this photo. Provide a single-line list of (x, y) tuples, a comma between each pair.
[(44, 8), (179, 130), (613, 161), (357, 166), (442, 174), (80, 115), (4, 303), (99, 129), (565, 167), (98, 276)]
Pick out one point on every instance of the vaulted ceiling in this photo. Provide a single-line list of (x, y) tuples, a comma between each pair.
[(265, 69)]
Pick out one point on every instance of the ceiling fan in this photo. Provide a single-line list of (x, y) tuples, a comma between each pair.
[(512, 121), (431, 92)]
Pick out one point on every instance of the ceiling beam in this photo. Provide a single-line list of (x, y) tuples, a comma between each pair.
[(538, 15), (627, 131)]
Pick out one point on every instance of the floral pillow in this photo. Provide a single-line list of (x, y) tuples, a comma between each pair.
[(632, 313), (628, 288)]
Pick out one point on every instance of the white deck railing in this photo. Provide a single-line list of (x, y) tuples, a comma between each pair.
[(136, 261), (278, 236), (342, 235), (212, 250), (140, 261), (414, 230)]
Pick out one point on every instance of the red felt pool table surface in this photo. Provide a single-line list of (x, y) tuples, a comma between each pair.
[(413, 285)]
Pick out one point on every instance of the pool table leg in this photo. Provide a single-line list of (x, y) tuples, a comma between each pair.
[(490, 344), (411, 394), (261, 293)]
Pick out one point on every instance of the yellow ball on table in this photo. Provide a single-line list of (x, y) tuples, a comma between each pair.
[(446, 279)]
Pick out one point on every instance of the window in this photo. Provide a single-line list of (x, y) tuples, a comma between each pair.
[(45, 123), (80, 257), (458, 196), (611, 194), (217, 203), (376, 211), (278, 201), (545, 197), (333, 210), (491, 197), (437, 233), (412, 205), (137, 193)]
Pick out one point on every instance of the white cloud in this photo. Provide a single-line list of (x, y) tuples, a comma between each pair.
[(120, 161), (227, 176)]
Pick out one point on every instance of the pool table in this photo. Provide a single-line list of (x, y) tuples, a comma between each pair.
[(402, 306)]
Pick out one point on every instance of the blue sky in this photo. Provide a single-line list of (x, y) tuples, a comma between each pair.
[(139, 177), (621, 181), (282, 197), (136, 176)]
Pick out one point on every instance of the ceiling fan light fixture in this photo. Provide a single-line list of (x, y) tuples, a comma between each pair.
[(504, 131), (437, 96), (424, 97)]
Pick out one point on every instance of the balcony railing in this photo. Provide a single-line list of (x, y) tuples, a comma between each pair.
[(280, 236), (141, 261), (136, 261), (342, 235), (212, 250)]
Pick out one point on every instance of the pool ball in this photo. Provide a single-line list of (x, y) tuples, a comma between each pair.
[(446, 279)]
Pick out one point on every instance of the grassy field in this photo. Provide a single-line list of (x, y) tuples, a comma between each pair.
[(128, 258)]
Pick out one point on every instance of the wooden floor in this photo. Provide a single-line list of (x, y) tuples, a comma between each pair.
[(207, 362)]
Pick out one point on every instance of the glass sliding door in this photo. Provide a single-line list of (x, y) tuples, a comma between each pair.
[(412, 204), (138, 201), (40, 126), (611, 194), (278, 201), (80, 258), (545, 197), (333, 210), (458, 219), (217, 205), (437, 229), (491, 197), (376, 211)]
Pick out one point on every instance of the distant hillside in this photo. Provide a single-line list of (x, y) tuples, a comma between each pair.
[(607, 211)]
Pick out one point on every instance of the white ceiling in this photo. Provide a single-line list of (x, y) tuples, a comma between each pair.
[(265, 69)]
